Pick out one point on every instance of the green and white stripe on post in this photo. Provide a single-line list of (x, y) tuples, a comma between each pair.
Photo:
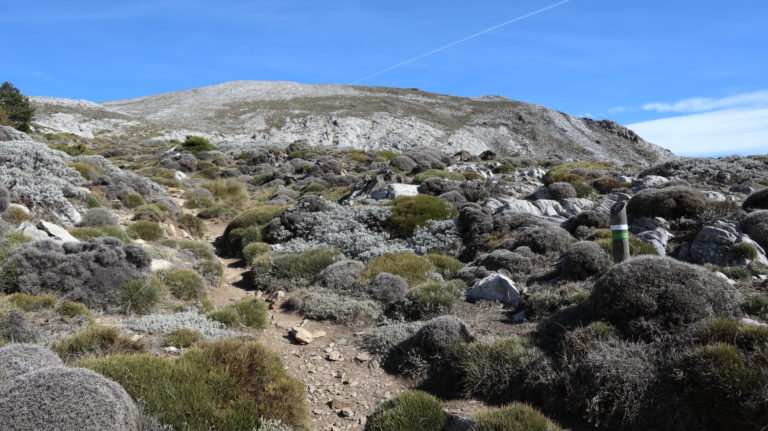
[(620, 232)]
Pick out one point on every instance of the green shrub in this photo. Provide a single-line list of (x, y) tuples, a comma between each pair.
[(734, 272), (715, 381), (444, 265), (150, 212), (471, 176), (217, 211), (133, 200), (227, 316), (543, 304), (142, 296), (253, 312), (437, 173), (92, 201), (85, 170), (411, 211), (197, 144), (732, 332), (295, 268), (195, 202), (756, 305), (73, 309), (183, 338), (583, 190), (26, 302), (229, 191), (491, 370), (408, 411), (745, 250), (16, 109), (246, 227), (387, 155), (146, 230), (16, 215), (184, 283), (514, 417), (194, 225), (408, 265), (255, 249), (88, 233), (637, 247), (96, 341), (432, 299), (227, 385), (322, 304)]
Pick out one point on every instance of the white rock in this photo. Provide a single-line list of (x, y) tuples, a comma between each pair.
[(158, 264), (647, 182), (301, 335), (180, 176), (573, 206), (495, 287), (518, 206), (31, 231), (56, 232), (392, 191)]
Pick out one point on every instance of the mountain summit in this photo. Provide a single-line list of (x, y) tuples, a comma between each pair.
[(257, 113)]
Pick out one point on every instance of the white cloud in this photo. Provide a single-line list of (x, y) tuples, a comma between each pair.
[(723, 132), (702, 104)]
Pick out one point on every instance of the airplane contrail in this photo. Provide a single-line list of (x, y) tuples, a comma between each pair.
[(442, 48)]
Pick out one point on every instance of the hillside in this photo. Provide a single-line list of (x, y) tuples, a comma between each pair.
[(264, 114)]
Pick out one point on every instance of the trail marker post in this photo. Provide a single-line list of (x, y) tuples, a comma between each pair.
[(620, 232)]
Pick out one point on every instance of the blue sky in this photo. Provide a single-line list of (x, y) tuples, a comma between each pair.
[(689, 75)]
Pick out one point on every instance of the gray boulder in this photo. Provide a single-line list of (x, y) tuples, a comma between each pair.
[(495, 287)]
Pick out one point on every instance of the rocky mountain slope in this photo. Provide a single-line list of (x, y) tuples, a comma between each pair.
[(247, 114)]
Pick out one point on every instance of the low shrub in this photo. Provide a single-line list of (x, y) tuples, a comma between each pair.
[(661, 292), (92, 201), (27, 302), (388, 288), (670, 203), (183, 283), (733, 332), (146, 230), (411, 267), (381, 341), (637, 247), (89, 233), (543, 304), (492, 370), (194, 225), (290, 270), (444, 265), (253, 313), (197, 144), (73, 309), (437, 173), (236, 237), (560, 191), (606, 184), (545, 239), (744, 250), (96, 341), (92, 272), (584, 259), (217, 211), (183, 338), (431, 299), (411, 211), (255, 249), (408, 411), (321, 304), (227, 316), (715, 382), (151, 212), (228, 191), (142, 296), (96, 217), (756, 226), (16, 328), (223, 385), (133, 200), (757, 200), (756, 305), (514, 417)]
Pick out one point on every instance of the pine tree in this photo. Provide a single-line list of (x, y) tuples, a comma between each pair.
[(16, 107)]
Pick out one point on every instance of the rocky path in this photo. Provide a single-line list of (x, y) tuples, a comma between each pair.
[(344, 384)]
